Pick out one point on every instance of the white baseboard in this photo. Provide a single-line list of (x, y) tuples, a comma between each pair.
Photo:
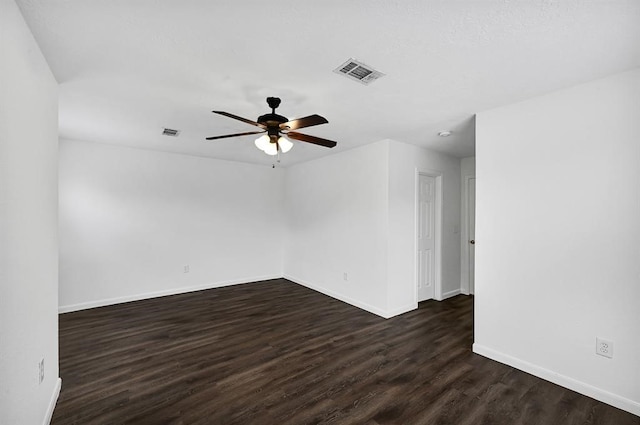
[(450, 294), (53, 402), (364, 306), (164, 293), (615, 400), (400, 310)]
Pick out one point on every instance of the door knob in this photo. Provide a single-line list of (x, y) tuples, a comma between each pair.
[(472, 242)]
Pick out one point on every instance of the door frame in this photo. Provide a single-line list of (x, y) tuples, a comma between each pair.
[(437, 295), (465, 284)]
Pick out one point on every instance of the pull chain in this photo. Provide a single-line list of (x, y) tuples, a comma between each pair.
[(277, 160)]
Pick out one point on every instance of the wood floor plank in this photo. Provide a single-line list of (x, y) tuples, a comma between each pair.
[(277, 353)]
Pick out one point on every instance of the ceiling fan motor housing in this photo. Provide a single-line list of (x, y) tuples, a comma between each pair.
[(272, 120)]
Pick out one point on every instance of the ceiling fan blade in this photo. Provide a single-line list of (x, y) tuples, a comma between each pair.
[(235, 117), (311, 139), (303, 122), (234, 135)]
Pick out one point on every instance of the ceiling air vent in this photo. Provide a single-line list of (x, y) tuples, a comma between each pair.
[(170, 132), (358, 71)]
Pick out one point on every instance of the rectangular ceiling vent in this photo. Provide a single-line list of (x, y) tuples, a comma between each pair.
[(170, 132), (358, 71)]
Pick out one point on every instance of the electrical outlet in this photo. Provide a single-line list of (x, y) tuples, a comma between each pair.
[(186, 268), (604, 348), (41, 371), (345, 276)]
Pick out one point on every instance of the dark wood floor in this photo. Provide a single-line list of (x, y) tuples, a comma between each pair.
[(277, 353)]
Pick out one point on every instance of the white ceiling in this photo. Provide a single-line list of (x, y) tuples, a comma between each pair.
[(129, 68)]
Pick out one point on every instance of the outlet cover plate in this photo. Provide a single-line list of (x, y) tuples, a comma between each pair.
[(604, 347)]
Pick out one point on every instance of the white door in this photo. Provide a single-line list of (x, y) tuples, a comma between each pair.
[(426, 237), (472, 233)]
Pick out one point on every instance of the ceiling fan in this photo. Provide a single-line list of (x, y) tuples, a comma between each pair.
[(275, 127)]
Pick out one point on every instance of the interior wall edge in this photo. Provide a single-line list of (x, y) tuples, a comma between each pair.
[(54, 401), (450, 294), (559, 379), (400, 310), (386, 314)]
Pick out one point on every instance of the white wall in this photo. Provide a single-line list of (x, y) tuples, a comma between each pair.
[(468, 166), (130, 220), (28, 225), (337, 223), (405, 161), (354, 212), (558, 262)]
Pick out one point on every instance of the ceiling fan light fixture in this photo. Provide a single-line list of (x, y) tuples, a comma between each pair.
[(272, 149), (263, 142), (285, 144)]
